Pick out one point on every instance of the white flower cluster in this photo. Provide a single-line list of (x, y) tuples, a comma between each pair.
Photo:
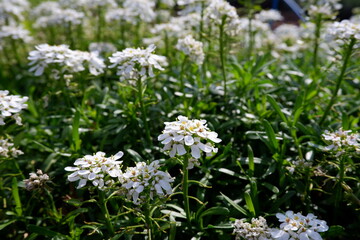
[(15, 33), (344, 30), (191, 48), (325, 8), (10, 106), (60, 17), (141, 9), (97, 169), (36, 180), (269, 15), (133, 63), (102, 47), (289, 37), (67, 59), (219, 9), (256, 230), (183, 135), (7, 149), (298, 227), (144, 181), (342, 141), (88, 4), (12, 10)]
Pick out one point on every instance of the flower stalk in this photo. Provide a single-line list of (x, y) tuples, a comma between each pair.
[(140, 89), (186, 188), (348, 52), (105, 212), (222, 53)]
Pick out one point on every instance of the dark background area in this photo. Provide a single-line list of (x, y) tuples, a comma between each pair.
[(344, 13)]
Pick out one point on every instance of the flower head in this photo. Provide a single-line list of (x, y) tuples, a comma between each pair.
[(256, 230), (185, 135), (143, 181), (36, 180), (296, 226), (342, 141), (66, 59), (10, 106), (7, 149), (192, 48), (133, 63), (97, 169)]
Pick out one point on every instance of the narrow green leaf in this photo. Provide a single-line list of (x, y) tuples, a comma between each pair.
[(43, 231), (271, 135), (235, 205), (7, 223), (297, 115), (215, 211), (251, 161), (15, 193), (249, 204), (75, 132), (282, 200), (277, 108)]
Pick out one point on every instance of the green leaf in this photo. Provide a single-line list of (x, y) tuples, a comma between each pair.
[(335, 231), (249, 204), (15, 193), (251, 161), (215, 211), (277, 108), (271, 136), (297, 115), (235, 205), (282, 200), (44, 231), (7, 223), (76, 142), (135, 155)]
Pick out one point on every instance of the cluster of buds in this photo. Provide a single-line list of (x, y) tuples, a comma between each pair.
[(7, 149), (10, 106), (36, 180), (257, 229)]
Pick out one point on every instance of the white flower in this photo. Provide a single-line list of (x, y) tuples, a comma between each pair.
[(192, 48), (7, 149), (342, 141), (96, 168), (36, 180), (12, 10), (68, 60), (144, 181), (15, 33), (256, 230), (269, 15), (142, 9), (132, 63), (185, 135), (219, 9), (298, 227), (88, 4), (344, 30), (60, 17), (10, 106)]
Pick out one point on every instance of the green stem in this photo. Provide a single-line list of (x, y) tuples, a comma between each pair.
[(222, 54), (339, 194), (182, 85), (186, 189), (100, 24), (143, 111), (149, 224), (105, 212), (347, 55), (316, 42)]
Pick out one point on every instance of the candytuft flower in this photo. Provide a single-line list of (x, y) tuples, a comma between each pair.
[(7, 148), (185, 135), (256, 230), (342, 141), (10, 106), (143, 181), (191, 48), (97, 169), (297, 226), (36, 180), (133, 63)]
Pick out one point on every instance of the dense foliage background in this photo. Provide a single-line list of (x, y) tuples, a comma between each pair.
[(269, 94)]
